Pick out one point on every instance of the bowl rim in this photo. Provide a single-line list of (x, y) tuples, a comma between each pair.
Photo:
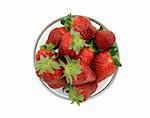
[(34, 58)]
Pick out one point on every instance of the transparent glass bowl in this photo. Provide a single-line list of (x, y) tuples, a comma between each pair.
[(102, 86)]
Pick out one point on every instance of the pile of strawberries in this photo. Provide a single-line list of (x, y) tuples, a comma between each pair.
[(77, 57)]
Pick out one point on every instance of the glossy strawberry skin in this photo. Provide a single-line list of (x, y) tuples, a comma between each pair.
[(57, 83), (54, 80), (85, 76), (87, 89), (43, 52), (86, 56), (49, 77), (83, 25), (104, 39), (64, 46), (55, 36), (103, 66)]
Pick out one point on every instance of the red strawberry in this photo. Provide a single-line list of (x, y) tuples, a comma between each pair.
[(55, 36), (86, 55), (55, 80), (64, 46), (105, 64), (81, 93), (104, 39), (71, 44), (77, 74), (87, 89), (81, 25), (48, 69), (43, 52), (85, 76), (57, 83)]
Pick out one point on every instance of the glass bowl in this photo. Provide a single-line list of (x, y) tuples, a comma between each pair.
[(102, 86)]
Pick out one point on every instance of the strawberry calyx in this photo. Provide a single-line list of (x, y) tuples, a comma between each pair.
[(46, 64), (77, 43), (98, 51), (67, 21), (50, 47), (71, 69), (74, 95), (115, 54), (91, 45)]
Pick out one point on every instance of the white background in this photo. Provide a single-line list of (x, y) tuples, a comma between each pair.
[(23, 96)]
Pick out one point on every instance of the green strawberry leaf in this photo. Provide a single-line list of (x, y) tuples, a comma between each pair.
[(46, 64), (50, 69), (68, 59), (62, 63), (71, 46), (76, 62), (67, 21), (92, 45), (41, 71), (55, 65), (113, 51), (88, 42), (117, 62), (71, 69), (42, 57), (75, 95), (77, 43), (49, 47), (74, 76), (98, 51), (75, 72)]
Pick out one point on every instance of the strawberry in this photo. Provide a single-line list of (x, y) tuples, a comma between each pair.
[(57, 83), (54, 80), (86, 55), (105, 64), (55, 36), (81, 24), (71, 44), (80, 93), (45, 50), (104, 39), (48, 69), (76, 73)]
